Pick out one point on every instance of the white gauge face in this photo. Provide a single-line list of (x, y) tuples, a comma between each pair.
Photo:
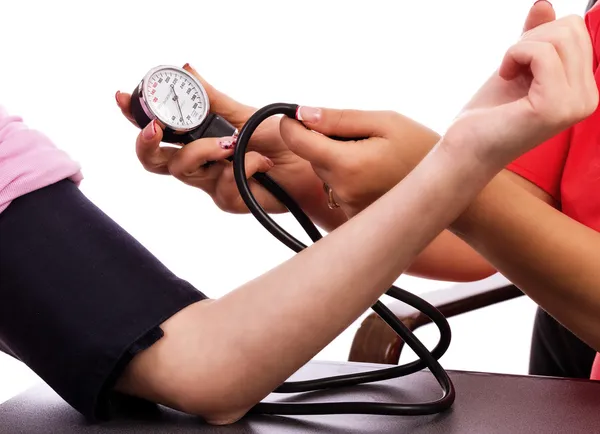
[(175, 97)]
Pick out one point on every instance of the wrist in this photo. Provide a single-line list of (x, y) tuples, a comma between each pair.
[(463, 143), (478, 173)]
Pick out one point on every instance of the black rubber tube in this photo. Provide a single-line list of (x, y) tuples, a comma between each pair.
[(426, 359)]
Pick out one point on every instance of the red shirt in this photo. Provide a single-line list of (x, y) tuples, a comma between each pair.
[(568, 166)]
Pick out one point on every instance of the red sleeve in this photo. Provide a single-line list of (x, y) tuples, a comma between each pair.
[(592, 21), (543, 165)]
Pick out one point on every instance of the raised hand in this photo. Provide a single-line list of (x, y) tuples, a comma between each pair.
[(544, 85)]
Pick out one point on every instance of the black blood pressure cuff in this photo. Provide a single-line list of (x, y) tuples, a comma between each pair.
[(79, 297)]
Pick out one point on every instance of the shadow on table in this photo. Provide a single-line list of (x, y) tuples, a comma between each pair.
[(142, 416)]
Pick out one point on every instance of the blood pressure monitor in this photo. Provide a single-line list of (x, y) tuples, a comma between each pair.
[(179, 102)]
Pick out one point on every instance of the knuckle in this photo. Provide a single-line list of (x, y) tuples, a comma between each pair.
[(574, 29), (176, 169), (252, 156), (568, 113), (338, 119), (390, 116), (254, 164), (560, 113), (227, 176), (526, 36), (576, 21), (589, 105), (594, 100), (221, 201), (579, 110), (564, 34), (513, 49), (145, 165), (150, 166), (583, 104), (143, 160), (547, 52), (225, 198), (291, 139), (223, 205)]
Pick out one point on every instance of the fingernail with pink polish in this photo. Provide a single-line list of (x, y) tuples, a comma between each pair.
[(227, 142), (150, 130), (538, 1), (117, 97), (308, 114)]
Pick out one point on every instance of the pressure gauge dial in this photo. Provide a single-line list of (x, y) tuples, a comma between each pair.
[(177, 99)]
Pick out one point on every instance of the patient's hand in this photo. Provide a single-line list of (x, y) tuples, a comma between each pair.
[(544, 85)]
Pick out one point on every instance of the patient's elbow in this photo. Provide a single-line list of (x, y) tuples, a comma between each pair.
[(227, 417), (219, 404), (214, 414), (191, 370)]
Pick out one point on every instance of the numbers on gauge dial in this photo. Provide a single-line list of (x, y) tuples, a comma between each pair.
[(175, 98)]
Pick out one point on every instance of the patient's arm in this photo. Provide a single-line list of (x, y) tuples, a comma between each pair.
[(262, 332), (447, 257)]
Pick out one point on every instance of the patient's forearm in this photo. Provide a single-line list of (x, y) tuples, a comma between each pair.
[(549, 256), (261, 333), (295, 310), (447, 257)]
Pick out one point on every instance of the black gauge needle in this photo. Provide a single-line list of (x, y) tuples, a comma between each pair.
[(176, 98)]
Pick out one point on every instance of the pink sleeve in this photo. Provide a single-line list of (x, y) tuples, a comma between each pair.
[(29, 160)]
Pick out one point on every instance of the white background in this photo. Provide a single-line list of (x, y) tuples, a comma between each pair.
[(62, 61)]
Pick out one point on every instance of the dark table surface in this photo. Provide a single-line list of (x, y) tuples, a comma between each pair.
[(485, 404)]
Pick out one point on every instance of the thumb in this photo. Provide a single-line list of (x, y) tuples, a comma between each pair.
[(350, 124), (333, 125), (540, 13), (317, 149), (154, 158)]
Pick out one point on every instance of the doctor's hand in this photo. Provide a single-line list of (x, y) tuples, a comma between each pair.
[(358, 171), (267, 153)]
